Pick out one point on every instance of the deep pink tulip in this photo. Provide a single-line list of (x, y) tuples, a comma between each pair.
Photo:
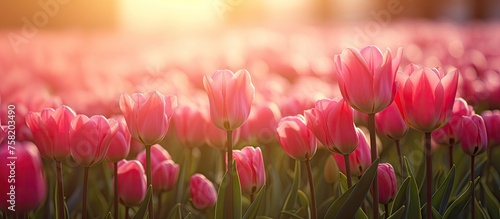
[(492, 123), (203, 194), (359, 159), (158, 155), (474, 135), (131, 182), (390, 123), (148, 115), (251, 170), (90, 138), (189, 126), (367, 77), (387, 184), (295, 138), (426, 97), (119, 147), (451, 131), (217, 138), (230, 95), (262, 123), (28, 181), (165, 175), (333, 124), (51, 131)]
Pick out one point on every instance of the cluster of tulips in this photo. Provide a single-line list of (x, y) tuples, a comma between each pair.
[(146, 155)]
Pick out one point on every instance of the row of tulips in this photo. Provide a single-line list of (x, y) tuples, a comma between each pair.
[(420, 98)]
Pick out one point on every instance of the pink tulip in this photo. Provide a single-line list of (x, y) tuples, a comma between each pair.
[(451, 131), (189, 126), (332, 123), (250, 167), (158, 155), (367, 78), (492, 123), (426, 97), (131, 182), (90, 138), (119, 146), (262, 123), (135, 148), (473, 134), (165, 175), (28, 181), (203, 194), (387, 184), (390, 123), (51, 131), (295, 138), (148, 115), (359, 159), (217, 138), (230, 97)]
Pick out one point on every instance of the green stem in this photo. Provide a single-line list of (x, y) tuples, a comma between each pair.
[(428, 156), (126, 212), (311, 187), (473, 197), (160, 193), (450, 152), (148, 176), (84, 198), (348, 170), (60, 191), (115, 187), (386, 209), (373, 145), (229, 203), (398, 147)]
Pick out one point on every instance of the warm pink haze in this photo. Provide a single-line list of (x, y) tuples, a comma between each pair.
[(230, 95), (367, 77), (203, 194), (251, 169), (390, 123), (473, 134), (359, 159), (295, 138), (387, 183), (426, 96), (131, 182)]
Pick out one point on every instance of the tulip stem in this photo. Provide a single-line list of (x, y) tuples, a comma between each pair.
[(159, 204), (311, 187), (60, 191), (229, 196), (473, 197), (373, 145), (386, 209), (126, 212), (398, 147), (84, 198), (450, 151), (115, 187), (348, 170), (428, 157), (148, 176)]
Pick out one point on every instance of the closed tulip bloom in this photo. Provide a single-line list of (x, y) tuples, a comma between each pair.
[(189, 125), (474, 135), (165, 176), (119, 146), (131, 182), (250, 167), (90, 138), (295, 138), (203, 194), (387, 183), (29, 180), (51, 131), (262, 123), (332, 123), (217, 138), (390, 123), (426, 97), (492, 123), (148, 115), (158, 155), (359, 159), (367, 77), (451, 131), (230, 95)]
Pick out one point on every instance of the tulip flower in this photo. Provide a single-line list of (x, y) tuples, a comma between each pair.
[(387, 184), (359, 159), (425, 100), (262, 123), (158, 155), (131, 182), (165, 175), (251, 170), (29, 179), (492, 123), (203, 194), (188, 124)]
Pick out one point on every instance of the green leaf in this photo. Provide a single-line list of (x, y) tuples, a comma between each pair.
[(175, 212), (399, 213), (459, 204), (292, 195), (442, 195), (408, 167), (400, 198), (189, 215), (435, 213), (492, 204), (480, 213), (360, 214), (143, 209), (264, 217), (343, 183), (304, 203), (221, 204), (108, 216), (350, 201), (413, 200), (254, 207)]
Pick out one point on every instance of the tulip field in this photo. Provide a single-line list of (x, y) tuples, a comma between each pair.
[(253, 123)]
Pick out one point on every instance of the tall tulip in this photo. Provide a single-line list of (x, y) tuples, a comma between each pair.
[(425, 100), (202, 191), (250, 167), (131, 183)]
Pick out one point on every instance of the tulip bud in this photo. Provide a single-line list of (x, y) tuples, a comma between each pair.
[(390, 123), (359, 159), (131, 182), (387, 185), (119, 146), (474, 139), (203, 194), (158, 155), (250, 167), (165, 175), (295, 138), (189, 126)]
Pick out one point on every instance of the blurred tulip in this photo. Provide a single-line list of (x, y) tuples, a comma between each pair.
[(295, 138), (450, 133), (387, 184), (189, 125), (135, 148), (28, 181), (390, 123), (230, 95), (165, 175), (90, 138), (332, 123), (119, 147), (131, 182), (359, 159), (158, 155), (203, 194), (51, 131), (217, 138), (367, 77), (492, 123), (148, 115), (474, 135), (251, 170), (262, 123), (331, 170), (426, 97)]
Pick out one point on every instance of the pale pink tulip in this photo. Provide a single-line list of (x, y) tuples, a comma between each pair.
[(250, 167), (131, 182), (165, 175), (262, 123), (158, 155), (474, 135), (203, 194), (492, 122), (359, 159), (450, 133), (119, 146), (295, 138), (189, 126), (390, 123)]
